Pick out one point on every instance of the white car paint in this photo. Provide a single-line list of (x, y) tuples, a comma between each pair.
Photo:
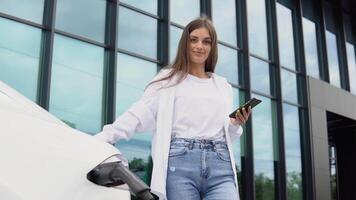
[(41, 158)]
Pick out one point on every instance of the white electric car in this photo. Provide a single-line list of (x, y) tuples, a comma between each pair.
[(42, 158)]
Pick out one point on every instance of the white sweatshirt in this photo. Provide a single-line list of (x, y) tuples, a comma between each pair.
[(198, 113)]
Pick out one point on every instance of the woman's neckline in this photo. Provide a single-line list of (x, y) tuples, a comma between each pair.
[(202, 80)]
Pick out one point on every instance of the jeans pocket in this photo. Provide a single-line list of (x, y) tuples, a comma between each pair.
[(174, 152), (223, 155)]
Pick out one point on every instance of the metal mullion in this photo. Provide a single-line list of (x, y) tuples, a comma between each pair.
[(307, 155), (176, 25), (46, 55), (321, 41), (307, 182), (137, 55), (23, 21), (291, 70), (138, 10), (341, 44), (260, 58), (80, 38), (206, 8), (237, 86), (291, 103), (110, 63), (263, 94), (163, 33), (229, 45), (280, 166), (303, 98), (247, 162)]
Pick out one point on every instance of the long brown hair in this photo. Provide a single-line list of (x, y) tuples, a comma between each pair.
[(180, 65)]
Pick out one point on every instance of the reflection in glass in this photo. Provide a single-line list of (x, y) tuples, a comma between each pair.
[(260, 80), (78, 103), (257, 27), (292, 152), (82, 17), (238, 144), (334, 72), (29, 10), (149, 6), (19, 56), (294, 178), (264, 179), (285, 37), (133, 75), (311, 51), (350, 51), (227, 64), (184, 11), (333, 172), (289, 86), (224, 18), (135, 37), (175, 34), (264, 147)]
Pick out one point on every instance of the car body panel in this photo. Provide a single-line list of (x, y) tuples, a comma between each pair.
[(43, 158)]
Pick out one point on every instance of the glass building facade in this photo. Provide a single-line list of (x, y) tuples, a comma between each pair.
[(87, 61)]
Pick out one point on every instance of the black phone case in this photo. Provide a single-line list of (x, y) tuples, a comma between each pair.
[(252, 102)]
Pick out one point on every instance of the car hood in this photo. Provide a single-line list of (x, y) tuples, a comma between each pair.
[(43, 158)]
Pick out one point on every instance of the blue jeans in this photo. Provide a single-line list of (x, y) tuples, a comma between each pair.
[(200, 169)]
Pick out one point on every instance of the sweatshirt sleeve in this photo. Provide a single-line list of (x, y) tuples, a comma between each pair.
[(235, 131), (140, 117)]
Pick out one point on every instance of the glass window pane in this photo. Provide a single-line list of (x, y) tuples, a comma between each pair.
[(285, 37), (239, 144), (224, 18), (333, 61), (135, 37), (260, 79), (257, 27), (227, 64), (133, 75), (289, 86), (184, 11), (149, 6), (79, 103), (291, 130), (29, 10), (19, 56), (292, 151), (175, 34), (350, 51), (311, 51), (238, 97), (294, 178), (82, 17), (264, 142)]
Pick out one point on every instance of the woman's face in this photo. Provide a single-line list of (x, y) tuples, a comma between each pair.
[(199, 46)]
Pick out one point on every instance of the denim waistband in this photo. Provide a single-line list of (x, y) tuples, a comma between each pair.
[(199, 143)]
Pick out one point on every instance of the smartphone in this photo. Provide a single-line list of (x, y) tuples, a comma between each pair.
[(252, 102)]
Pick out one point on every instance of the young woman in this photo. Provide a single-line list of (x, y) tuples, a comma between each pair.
[(187, 107)]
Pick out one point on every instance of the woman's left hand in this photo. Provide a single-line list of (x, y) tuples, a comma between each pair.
[(241, 118)]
